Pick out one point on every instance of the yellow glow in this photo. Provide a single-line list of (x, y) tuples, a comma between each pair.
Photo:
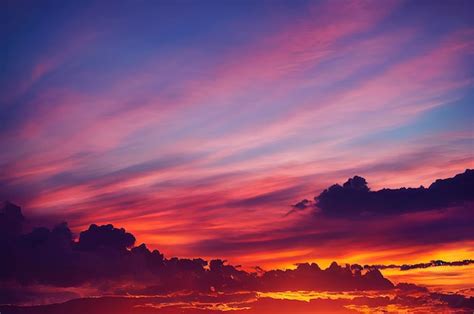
[(310, 295), (447, 278)]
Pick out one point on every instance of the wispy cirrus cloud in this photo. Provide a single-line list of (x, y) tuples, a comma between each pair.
[(228, 126)]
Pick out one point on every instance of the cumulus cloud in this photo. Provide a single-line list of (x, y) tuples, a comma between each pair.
[(355, 199), (11, 220), (106, 236), (330, 235), (107, 254)]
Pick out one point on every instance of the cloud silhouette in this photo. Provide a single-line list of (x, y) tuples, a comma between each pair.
[(11, 220), (97, 237), (354, 198), (109, 256), (434, 263), (106, 254), (301, 205), (330, 235)]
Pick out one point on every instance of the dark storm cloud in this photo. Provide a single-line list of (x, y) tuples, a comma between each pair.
[(354, 198)]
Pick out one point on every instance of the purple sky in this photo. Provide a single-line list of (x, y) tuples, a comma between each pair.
[(187, 122)]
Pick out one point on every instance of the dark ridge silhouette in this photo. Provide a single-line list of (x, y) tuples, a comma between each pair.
[(354, 198)]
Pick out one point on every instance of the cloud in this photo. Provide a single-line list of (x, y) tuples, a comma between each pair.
[(11, 220), (354, 199), (106, 257), (335, 278), (403, 298), (98, 237), (120, 119), (435, 263), (409, 234), (275, 197), (105, 254), (301, 205)]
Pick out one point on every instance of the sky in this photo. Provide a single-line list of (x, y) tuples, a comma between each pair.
[(196, 125)]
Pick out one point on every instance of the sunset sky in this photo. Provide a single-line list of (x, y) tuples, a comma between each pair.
[(196, 125)]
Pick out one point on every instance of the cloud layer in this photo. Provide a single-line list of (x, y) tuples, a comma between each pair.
[(143, 281), (107, 254)]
